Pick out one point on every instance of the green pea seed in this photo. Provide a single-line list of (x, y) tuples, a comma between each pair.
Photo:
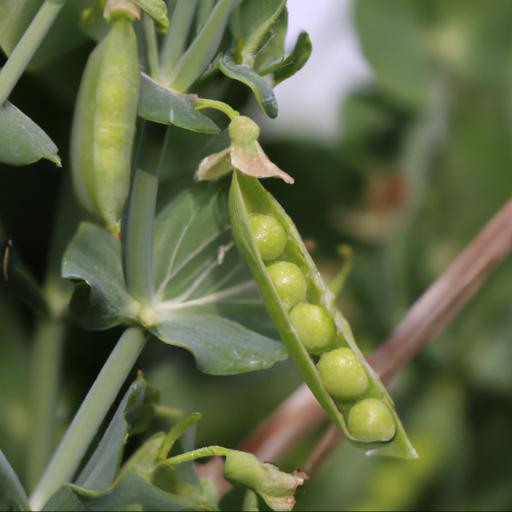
[(370, 421), (314, 326), (289, 282), (269, 235), (343, 374)]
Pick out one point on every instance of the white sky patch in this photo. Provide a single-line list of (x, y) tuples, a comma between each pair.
[(309, 102)]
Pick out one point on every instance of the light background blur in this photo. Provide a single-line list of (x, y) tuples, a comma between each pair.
[(398, 132)]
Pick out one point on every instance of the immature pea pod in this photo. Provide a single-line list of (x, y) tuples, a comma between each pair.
[(104, 123), (315, 333)]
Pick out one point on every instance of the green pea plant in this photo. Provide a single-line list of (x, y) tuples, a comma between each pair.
[(201, 264)]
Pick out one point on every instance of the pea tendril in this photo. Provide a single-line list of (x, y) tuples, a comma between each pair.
[(202, 103)]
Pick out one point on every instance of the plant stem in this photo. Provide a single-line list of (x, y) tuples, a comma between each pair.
[(176, 38), (175, 433), (207, 451), (48, 340), (202, 103), (138, 236), (203, 48), (27, 46), (152, 46), (46, 361), (163, 411), (89, 417)]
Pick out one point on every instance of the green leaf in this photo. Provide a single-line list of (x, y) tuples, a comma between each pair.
[(157, 9), (131, 491), (203, 48), (252, 24), (204, 291), (204, 287), (401, 61), (273, 51), (12, 494), (133, 415), (161, 105), (22, 141), (259, 85), (101, 300), (220, 346), (296, 60), (21, 282)]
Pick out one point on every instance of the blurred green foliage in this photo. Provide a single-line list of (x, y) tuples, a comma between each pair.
[(424, 160)]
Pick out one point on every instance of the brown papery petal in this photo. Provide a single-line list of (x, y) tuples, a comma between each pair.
[(257, 164)]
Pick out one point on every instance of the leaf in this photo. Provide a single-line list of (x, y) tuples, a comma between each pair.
[(12, 494), (157, 9), (273, 50), (94, 257), (220, 346), (295, 61), (132, 416), (204, 288), (252, 25), (401, 61), (204, 291), (21, 282), (260, 86), (22, 141), (161, 105), (131, 492)]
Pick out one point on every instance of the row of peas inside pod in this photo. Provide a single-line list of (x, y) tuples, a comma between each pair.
[(342, 373), (315, 333)]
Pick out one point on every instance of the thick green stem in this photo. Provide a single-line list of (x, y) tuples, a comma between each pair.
[(203, 48), (46, 360), (27, 46), (89, 417), (176, 38), (207, 451), (138, 235)]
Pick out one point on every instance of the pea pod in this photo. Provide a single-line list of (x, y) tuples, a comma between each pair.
[(104, 124), (376, 426)]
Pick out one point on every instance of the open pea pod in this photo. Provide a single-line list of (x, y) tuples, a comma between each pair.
[(248, 198)]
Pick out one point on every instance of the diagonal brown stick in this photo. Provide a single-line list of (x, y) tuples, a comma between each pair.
[(301, 414)]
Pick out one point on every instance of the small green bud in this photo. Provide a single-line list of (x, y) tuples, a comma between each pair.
[(370, 421), (243, 130), (270, 236), (275, 487), (289, 282), (343, 374), (314, 326)]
